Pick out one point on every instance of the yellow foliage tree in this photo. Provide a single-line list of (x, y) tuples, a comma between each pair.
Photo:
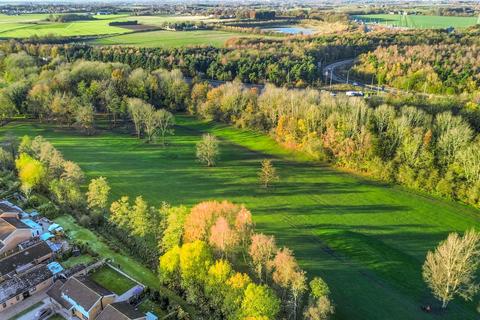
[(30, 171)]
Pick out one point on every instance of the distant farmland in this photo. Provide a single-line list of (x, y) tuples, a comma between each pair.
[(418, 21), (24, 26), (171, 38)]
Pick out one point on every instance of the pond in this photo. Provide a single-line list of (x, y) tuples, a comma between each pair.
[(291, 30)]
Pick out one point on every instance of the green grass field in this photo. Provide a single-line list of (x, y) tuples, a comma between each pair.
[(419, 21), (34, 24), (73, 261), (112, 280), (165, 38), (367, 239)]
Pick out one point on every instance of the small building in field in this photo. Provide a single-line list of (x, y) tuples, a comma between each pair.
[(21, 286), (81, 297), (120, 311)]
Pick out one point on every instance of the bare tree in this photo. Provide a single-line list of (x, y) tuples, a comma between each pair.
[(84, 118), (207, 150), (137, 109), (166, 120), (451, 269), (151, 122), (268, 173)]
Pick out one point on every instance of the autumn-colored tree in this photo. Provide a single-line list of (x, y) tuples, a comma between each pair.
[(216, 286), (25, 145), (288, 275), (84, 118), (319, 306), (195, 260), (223, 237), (198, 96), (72, 172), (268, 173), (260, 301), (262, 250), (66, 193), (172, 234), (151, 122), (244, 228), (208, 150), (138, 110), (120, 211), (31, 172), (319, 288), (97, 194), (169, 267), (202, 216), (166, 121), (452, 268), (140, 217), (236, 286), (321, 309)]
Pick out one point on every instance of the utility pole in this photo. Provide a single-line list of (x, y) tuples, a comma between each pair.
[(348, 73), (331, 77)]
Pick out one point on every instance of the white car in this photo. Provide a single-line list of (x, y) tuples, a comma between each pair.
[(354, 93)]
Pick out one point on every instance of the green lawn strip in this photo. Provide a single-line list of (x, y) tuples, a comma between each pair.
[(112, 280), (24, 312), (72, 261), (129, 265), (367, 239)]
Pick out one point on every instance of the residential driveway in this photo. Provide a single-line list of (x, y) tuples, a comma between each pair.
[(31, 314), (25, 304)]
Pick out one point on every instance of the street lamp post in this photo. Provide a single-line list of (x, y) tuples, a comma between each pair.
[(331, 77)]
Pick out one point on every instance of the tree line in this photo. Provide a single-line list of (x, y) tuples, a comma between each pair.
[(198, 251), (294, 62), (436, 153), (440, 68), (71, 94)]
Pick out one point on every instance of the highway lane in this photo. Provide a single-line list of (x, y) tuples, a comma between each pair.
[(335, 77)]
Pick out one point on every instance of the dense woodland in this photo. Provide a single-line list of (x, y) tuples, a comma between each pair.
[(431, 152), (440, 68), (295, 62)]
